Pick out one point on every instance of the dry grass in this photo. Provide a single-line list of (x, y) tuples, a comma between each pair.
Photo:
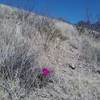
[(30, 41)]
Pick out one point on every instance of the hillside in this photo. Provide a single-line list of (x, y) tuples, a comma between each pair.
[(28, 41)]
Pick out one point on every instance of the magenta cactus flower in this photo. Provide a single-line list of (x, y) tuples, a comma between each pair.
[(45, 71), (42, 75)]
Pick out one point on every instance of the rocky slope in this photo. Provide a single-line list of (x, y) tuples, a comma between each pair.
[(74, 57)]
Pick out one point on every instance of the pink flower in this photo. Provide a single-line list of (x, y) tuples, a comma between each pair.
[(45, 71)]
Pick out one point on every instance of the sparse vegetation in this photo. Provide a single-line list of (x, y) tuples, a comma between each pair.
[(19, 66), (92, 28), (29, 72)]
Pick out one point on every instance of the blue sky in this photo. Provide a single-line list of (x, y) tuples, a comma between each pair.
[(70, 10)]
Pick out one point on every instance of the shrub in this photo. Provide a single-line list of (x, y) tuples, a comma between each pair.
[(80, 29), (17, 66), (49, 32)]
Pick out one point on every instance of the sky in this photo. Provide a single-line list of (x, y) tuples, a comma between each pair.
[(69, 10)]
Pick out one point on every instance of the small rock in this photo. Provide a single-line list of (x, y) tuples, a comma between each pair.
[(72, 66)]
